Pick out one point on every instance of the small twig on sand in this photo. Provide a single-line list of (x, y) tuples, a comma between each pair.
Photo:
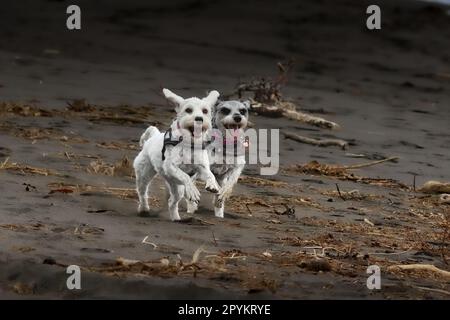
[(316, 142), (150, 243), (214, 238), (355, 155), (339, 191), (369, 164), (388, 253), (370, 223), (3, 165), (427, 267), (323, 249), (414, 182), (196, 255), (248, 208)]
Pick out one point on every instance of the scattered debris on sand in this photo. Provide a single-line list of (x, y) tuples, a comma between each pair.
[(258, 181), (122, 193), (118, 145), (35, 133), (121, 114), (342, 172), (24, 110), (26, 169), (23, 288), (123, 167)]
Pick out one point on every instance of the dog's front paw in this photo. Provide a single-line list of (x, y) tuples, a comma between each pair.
[(212, 186), (192, 194), (192, 207)]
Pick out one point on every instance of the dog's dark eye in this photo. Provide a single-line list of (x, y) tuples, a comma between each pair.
[(188, 110), (243, 111), (225, 111), (205, 111)]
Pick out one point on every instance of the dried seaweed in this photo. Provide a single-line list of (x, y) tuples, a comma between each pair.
[(121, 114), (80, 105), (350, 195), (22, 227), (257, 181), (26, 169), (342, 173), (24, 110), (118, 145), (240, 204), (122, 193), (34, 133), (122, 167)]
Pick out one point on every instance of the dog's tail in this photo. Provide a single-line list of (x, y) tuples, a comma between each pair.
[(147, 135)]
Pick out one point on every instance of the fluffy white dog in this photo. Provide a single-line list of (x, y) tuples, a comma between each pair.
[(229, 121), (178, 154)]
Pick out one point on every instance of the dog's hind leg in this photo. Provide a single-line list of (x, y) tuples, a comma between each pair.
[(144, 174), (176, 194), (219, 207)]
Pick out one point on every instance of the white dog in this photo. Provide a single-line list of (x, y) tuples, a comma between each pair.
[(166, 153), (229, 120)]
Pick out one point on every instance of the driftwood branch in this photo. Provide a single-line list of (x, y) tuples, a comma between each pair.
[(444, 198), (426, 267), (316, 142), (433, 290), (369, 164), (309, 119), (435, 187), (287, 110), (268, 101)]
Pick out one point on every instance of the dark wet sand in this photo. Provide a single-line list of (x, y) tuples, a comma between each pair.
[(389, 90)]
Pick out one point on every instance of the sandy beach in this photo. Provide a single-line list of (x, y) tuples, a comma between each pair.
[(73, 105)]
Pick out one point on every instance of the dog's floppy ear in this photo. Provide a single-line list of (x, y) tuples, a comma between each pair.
[(217, 104), (212, 98), (247, 104), (172, 97)]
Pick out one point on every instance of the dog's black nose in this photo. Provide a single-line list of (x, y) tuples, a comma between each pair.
[(198, 119), (237, 118)]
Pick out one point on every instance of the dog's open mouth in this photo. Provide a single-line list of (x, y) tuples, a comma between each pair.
[(234, 126), (195, 131)]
